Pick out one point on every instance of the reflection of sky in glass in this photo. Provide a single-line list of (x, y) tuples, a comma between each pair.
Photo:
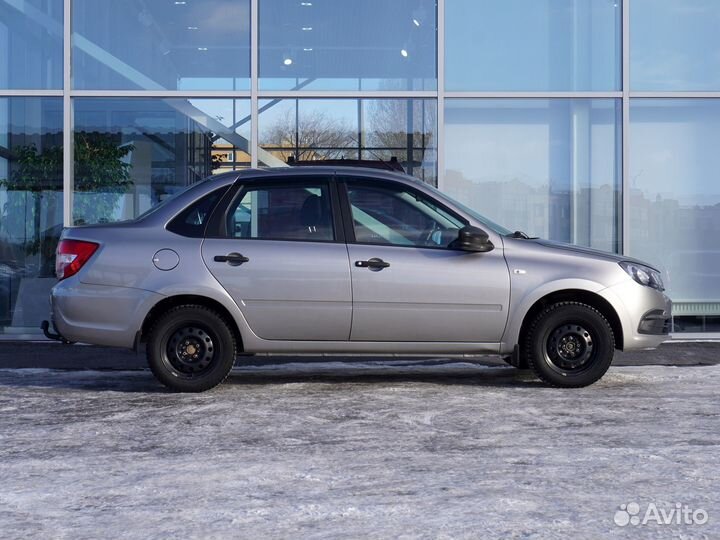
[(496, 140), (342, 112), (675, 194), (675, 45), (674, 152), (31, 44), (528, 45), (549, 167), (228, 112)]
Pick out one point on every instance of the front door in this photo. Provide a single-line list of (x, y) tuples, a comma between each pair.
[(283, 262), (408, 285)]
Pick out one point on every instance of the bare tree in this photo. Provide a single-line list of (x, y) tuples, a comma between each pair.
[(391, 120), (404, 129), (317, 136)]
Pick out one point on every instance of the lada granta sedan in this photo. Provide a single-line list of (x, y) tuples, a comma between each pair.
[(344, 260)]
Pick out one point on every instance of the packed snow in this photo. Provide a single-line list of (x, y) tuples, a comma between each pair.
[(395, 449)]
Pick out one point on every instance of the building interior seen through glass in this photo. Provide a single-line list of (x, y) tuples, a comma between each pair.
[(348, 45), (517, 108), (31, 206), (131, 153), (161, 44)]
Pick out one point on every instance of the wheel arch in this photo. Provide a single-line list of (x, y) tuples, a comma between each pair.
[(177, 300), (575, 295)]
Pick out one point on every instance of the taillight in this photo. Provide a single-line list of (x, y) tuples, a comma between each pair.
[(71, 256)]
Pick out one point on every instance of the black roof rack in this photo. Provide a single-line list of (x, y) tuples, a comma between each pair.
[(392, 165)]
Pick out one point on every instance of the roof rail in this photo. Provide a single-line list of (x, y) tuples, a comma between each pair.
[(392, 165)]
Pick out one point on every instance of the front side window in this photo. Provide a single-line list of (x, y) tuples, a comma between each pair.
[(290, 212), (383, 215)]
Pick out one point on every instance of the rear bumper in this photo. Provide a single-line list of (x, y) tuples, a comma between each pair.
[(99, 314), (644, 313), (51, 332)]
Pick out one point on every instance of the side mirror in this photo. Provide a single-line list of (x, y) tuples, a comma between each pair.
[(473, 239)]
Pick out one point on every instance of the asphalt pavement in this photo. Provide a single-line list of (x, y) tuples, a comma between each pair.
[(52, 355)]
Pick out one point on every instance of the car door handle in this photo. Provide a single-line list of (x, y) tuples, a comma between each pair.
[(233, 259), (373, 264)]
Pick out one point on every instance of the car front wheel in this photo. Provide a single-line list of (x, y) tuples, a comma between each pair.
[(191, 348), (570, 344)]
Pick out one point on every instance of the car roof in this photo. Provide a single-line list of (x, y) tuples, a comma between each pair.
[(304, 171)]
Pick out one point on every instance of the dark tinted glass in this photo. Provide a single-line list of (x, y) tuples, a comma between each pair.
[(297, 212), (193, 220)]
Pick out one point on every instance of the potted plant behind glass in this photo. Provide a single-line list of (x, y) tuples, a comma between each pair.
[(31, 218), (102, 175)]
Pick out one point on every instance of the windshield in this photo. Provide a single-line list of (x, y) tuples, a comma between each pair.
[(482, 219)]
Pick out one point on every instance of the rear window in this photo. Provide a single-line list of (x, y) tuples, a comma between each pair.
[(192, 221)]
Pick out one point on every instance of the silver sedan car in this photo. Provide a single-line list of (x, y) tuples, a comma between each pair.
[(344, 260)]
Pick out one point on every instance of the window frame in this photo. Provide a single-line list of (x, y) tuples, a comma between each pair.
[(217, 226), (348, 223)]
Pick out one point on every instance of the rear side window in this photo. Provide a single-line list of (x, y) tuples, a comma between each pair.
[(192, 221), (301, 211)]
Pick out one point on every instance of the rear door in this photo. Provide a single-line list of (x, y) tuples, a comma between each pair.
[(280, 253), (408, 283)]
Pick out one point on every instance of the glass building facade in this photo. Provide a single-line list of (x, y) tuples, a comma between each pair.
[(586, 121)]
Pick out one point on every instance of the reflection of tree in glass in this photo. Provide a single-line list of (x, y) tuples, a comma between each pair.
[(99, 168), (404, 129), (395, 124), (34, 177), (316, 136)]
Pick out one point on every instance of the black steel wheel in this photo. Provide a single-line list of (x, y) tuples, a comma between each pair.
[(191, 349), (569, 348), (570, 344)]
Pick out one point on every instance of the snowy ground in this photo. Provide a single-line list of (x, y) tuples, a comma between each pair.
[(421, 449)]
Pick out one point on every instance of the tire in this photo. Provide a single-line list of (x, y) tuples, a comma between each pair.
[(191, 348), (570, 345)]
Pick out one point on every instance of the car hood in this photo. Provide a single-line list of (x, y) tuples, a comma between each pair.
[(586, 251)]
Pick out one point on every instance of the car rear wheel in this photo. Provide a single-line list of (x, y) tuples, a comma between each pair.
[(570, 344), (191, 348)]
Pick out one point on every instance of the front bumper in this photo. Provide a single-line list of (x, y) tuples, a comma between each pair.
[(644, 312), (656, 322)]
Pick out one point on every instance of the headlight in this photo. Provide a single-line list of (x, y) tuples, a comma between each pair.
[(644, 275)]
